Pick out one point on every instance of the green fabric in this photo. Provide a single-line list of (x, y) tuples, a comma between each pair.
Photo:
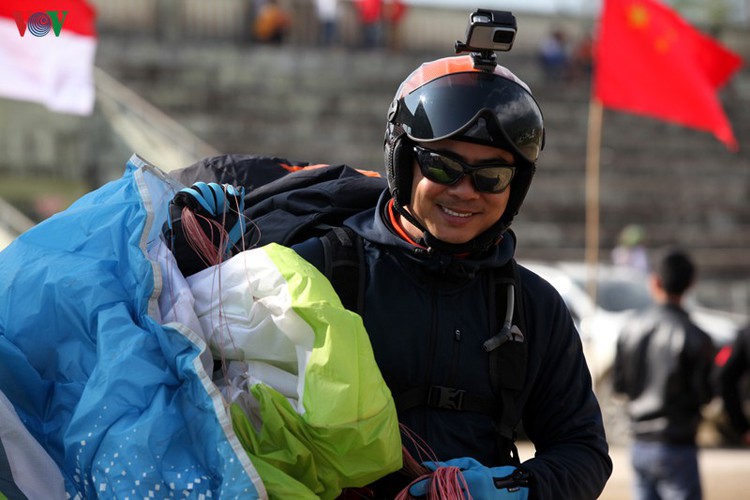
[(348, 433)]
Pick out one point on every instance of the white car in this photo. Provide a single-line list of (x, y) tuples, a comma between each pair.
[(620, 293)]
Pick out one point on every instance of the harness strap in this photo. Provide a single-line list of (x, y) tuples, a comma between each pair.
[(446, 398), (345, 266), (508, 354)]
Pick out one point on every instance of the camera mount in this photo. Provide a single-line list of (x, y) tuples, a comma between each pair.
[(488, 31)]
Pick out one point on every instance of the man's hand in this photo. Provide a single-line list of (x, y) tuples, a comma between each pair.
[(482, 482)]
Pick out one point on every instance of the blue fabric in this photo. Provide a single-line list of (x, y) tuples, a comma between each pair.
[(479, 480), (665, 471), (118, 401)]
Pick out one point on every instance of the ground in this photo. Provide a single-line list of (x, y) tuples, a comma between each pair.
[(723, 472)]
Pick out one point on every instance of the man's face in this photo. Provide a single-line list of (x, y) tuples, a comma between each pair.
[(456, 213)]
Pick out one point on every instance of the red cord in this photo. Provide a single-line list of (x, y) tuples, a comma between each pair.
[(446, 483)]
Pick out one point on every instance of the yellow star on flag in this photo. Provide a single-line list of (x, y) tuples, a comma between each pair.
[(638, 16), (652, 62)]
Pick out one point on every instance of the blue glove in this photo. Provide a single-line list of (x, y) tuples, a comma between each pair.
[(483, 482)]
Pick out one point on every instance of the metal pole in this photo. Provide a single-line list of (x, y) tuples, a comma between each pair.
[(593, 150)]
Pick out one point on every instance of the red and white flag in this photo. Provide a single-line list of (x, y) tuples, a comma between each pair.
[(47, 50)]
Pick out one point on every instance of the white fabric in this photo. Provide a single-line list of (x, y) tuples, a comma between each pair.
[(327, 9), (34, 471), (242, 309), (176, 302)]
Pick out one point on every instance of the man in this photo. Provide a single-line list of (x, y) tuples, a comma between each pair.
[(663, 366), (731, 376), (461, 145)]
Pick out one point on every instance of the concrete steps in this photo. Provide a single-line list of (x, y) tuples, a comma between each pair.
[(329, 106)]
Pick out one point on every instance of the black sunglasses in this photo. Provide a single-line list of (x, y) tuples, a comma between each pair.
[(444, 168)]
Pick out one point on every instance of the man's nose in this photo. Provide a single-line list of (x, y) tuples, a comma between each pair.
[(465, 188)]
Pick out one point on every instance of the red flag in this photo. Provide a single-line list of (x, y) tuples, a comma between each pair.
[(47, 50), (650, 61)]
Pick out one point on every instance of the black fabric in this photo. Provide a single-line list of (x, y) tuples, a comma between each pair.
[(733, 382), (507, 369), (249, 171), (308, 203), (508, 362), (344, 266), (663, 364), (288, 202)]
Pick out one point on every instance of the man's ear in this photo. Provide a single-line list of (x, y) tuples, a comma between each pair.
[(655, 283)]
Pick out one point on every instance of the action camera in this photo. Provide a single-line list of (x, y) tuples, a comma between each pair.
[(488, 31)]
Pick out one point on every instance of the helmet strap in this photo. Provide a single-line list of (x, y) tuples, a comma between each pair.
[(476, 246)]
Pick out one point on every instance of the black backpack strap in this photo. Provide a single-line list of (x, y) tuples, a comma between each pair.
[(345, 266), (508, 354), (508, 350), (447, 398)]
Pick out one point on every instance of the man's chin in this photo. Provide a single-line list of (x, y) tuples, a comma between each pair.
[(453, 238)]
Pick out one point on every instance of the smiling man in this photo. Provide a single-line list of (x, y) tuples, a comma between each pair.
[(469, 342), (446, 202)]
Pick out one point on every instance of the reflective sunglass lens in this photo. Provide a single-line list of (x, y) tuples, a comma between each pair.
[(492, 179), (486, 184), (435, 167)]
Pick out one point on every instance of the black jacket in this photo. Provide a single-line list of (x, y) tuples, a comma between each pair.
[(730, 377), (663, 365), (427, 316)]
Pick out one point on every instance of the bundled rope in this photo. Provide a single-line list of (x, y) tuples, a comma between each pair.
[(205, 225)]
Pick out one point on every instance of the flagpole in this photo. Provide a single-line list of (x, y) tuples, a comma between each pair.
[(593, 154)]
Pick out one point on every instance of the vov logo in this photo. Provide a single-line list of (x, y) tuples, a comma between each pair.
[(40, 23)]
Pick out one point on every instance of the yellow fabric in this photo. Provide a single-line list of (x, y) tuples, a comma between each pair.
[(345, 433)]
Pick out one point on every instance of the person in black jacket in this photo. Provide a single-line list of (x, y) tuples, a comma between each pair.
[(461, 146), (663, 365), (731, 376)]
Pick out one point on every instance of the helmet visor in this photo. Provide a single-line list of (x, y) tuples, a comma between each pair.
[(450, 105)]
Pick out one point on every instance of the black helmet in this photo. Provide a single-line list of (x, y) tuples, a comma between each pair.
[(451, 98)]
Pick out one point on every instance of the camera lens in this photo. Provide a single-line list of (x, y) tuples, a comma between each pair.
[(503, 36)]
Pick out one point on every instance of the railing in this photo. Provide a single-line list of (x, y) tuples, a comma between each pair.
[(423, 28), (12, 223), (145, 128)]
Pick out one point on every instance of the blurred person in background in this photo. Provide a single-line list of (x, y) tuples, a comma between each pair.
[(394, 12), (663, 365), (582, 58), (328, 19), (733, 378), (370, 15), (554, 55), (630, 250), (272, 23)]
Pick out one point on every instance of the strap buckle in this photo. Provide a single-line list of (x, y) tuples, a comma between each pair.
[(447, 398)]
